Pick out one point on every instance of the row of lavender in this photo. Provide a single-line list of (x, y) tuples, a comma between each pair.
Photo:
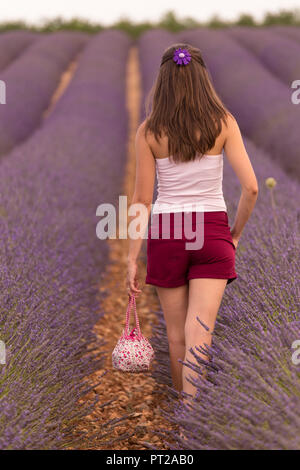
[(51, 259), (292, 32), (252, 398), (14, 43), (284, 63), (260, 100), (30, 82)]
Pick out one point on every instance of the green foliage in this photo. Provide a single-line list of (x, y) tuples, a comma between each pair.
[(131, 28), (284, 17), (169, 21), (75, 24), (13, 25), (217, 22), (245, 20)]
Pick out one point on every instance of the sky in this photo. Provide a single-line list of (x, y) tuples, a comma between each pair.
[(107, 12)]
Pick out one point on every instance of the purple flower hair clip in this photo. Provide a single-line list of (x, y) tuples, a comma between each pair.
[(181, 56)]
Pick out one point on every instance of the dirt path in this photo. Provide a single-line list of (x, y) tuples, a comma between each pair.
[(62, 86), (135, 392)]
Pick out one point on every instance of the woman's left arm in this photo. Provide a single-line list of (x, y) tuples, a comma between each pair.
[(143, 195)]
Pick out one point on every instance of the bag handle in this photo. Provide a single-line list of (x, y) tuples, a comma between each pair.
[(131, 302)]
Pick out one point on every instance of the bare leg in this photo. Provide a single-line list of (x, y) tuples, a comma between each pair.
[(174, 302), (205, 296)]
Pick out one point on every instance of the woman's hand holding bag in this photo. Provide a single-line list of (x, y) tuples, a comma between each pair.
[(133, 351)]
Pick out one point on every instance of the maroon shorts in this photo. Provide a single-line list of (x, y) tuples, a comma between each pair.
[(171, 264)]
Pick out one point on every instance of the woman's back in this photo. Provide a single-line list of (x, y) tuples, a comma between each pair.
[(192, 185), (160, 148)]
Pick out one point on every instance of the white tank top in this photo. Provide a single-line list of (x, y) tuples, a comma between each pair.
[(190, 186)]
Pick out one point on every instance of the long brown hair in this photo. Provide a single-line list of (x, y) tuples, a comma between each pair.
[(184, 100)]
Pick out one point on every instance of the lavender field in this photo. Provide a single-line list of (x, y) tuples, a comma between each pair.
[(13, 44), (31, 81), (56, 168), (262, 43), (51, 259)]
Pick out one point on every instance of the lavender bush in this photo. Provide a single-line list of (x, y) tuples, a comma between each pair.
[(260, 101), (51, 259), (30, 83), (291, 32), (249, 402), (14, 43), (285, 63), (252, 396)]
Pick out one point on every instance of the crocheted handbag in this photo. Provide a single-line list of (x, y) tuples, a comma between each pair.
[(133, 351)]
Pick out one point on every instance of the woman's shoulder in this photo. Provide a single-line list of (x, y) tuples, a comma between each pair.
[(140, 132), (230, 120), (145, 132), (144, 136), (232, 127), (229, 126)]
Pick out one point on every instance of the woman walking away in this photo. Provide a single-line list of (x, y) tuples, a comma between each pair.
[(182, 141)]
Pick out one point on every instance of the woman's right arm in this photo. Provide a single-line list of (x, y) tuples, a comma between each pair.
[(238, 158)]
